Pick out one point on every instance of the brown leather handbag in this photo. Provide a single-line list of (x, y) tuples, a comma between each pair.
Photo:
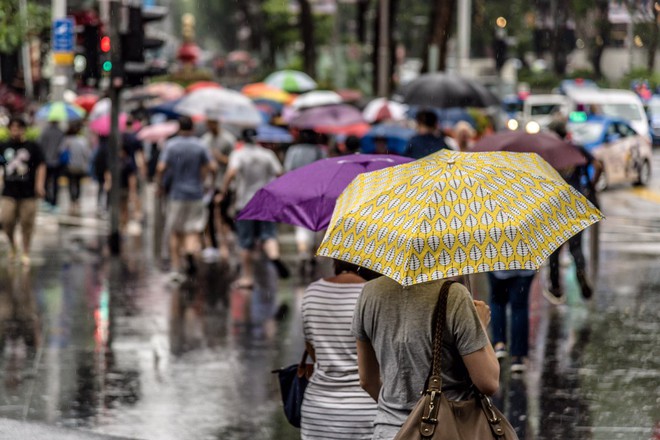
[(434, 417)]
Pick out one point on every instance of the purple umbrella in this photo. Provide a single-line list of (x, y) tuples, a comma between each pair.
[(306, 196), (336, 115)]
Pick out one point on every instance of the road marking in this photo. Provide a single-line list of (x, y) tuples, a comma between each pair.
[(647, 194)]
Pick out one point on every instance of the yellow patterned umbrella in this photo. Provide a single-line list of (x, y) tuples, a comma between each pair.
[(456, 213)]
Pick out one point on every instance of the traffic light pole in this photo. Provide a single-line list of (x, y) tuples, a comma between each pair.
[(114, 141)]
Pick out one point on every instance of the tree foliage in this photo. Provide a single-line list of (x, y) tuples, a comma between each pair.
[(12, 27)]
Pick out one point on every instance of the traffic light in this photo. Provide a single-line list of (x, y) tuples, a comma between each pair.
[(90, 50), (135, 43), (105, 45)]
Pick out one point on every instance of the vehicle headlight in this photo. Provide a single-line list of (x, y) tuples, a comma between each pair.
[(532, 127), (512, 124)]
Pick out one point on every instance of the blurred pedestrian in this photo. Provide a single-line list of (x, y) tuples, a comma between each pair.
[(352, 145), (80, 155), (220, 143), (24, 171), (511, 288), (427, 140), (100, 161), (302, 153), (580, 178), (50, 142), (393, 326), (335, 406), (253, 166), (187, 162), (134, 150), (464, 135), (128, 183)]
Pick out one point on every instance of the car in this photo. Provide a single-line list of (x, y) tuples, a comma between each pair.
[(539, 110), (625, 154), (653, 112)]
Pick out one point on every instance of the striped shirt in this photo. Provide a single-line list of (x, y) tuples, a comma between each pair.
[(335, 406)]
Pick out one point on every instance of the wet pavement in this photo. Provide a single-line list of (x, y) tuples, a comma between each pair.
[(104, 345)]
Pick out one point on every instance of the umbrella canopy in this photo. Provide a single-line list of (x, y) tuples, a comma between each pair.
[(359, 129), (306, 196), (231, 107), (444, 90), (157, 93), (381, 109), (291, 81), (158, 132), (166, 108), (549, 146), (336, 115), (264, 91), (102, 124), (60, 112), (199, 85), (316, 98), (455, 213), (102, 107), (273, 135), (396, 136), (86, 101)]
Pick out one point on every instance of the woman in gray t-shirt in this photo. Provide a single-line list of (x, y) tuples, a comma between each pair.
[(394, 325)]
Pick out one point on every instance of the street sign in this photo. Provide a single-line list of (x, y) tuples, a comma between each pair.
[(63, 35)]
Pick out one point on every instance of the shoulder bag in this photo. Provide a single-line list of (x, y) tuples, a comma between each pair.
[(293, 381), (434, 417)]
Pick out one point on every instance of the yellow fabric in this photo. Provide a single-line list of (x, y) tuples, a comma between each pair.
[(456, 213)]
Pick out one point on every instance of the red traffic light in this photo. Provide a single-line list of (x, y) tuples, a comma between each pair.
[(105, 44)]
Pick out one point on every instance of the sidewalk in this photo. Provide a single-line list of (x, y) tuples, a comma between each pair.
[(14, 430)]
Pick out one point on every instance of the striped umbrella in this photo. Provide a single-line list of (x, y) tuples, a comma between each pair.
[(291, 81), (60, 112)]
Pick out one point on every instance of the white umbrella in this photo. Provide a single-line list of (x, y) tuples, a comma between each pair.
[(101, 108), (231, 107), (316, 98), (380, 109)]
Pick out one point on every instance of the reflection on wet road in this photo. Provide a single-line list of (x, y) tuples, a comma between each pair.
[(105, 345)]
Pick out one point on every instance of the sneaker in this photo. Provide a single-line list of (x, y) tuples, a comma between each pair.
[(518, 366), (175, 277), (585, 286), (554, 295), (210, 255), (500, 350)]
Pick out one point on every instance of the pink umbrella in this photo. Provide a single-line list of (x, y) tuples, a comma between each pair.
[(101, 125), (158, 132)]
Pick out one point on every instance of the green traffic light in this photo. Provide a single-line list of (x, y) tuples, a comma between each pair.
[(107, 66), (578, 117)]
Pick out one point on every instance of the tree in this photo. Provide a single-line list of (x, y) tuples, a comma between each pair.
[(12, 28), (442, 17), (306, 23), (655, 36)]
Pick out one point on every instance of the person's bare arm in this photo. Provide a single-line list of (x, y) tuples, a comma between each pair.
[(369, 369), (40, 181), (310, 351), (482, 365), (229, 177), (141, 163)]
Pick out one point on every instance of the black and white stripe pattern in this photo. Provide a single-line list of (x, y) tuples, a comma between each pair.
[(335, 407)]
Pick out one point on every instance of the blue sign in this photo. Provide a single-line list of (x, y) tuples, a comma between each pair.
[(63, 35)]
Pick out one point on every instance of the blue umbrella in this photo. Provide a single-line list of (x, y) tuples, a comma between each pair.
[(59, 112), (397, 138), (166, 108), (273, 135)]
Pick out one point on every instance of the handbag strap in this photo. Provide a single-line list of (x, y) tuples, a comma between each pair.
[(435, 381)]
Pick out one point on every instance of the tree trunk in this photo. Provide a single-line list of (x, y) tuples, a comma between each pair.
[(603, 27), (361, 19), (559, 49), (393, 8), (442, 16), (252, 22), (306, 23), (653, 44)]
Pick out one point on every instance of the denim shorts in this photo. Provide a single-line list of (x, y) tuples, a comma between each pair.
[(249, 231)]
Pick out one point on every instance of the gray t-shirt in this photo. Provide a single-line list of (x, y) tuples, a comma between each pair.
[(50, 142), (223, 143), (79, 153), (256, 166), (300, 155), (185, 156), (398, 322)]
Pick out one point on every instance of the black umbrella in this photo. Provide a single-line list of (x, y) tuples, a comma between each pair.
[(443, 90)]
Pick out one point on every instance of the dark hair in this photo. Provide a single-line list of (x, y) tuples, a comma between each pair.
[(248, 135), (74, 128), (353, 144), (344, 266), (427, 118), (185, 123), (307, 136), (18, 121)]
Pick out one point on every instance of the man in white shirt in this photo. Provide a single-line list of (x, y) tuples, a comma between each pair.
[(252, 167)]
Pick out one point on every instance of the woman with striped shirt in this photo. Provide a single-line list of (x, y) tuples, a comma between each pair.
[(335, 406)]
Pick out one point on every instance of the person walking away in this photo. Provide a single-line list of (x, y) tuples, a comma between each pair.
[(511, 287), (100, 161), (393, 326), (578, 177), (427, 140), (135, 150), (24, 171), (335, 406), (128, 193), (253, 166), (79, 157), (50, 142), (187, 162), (304, 152), (221, 144)]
